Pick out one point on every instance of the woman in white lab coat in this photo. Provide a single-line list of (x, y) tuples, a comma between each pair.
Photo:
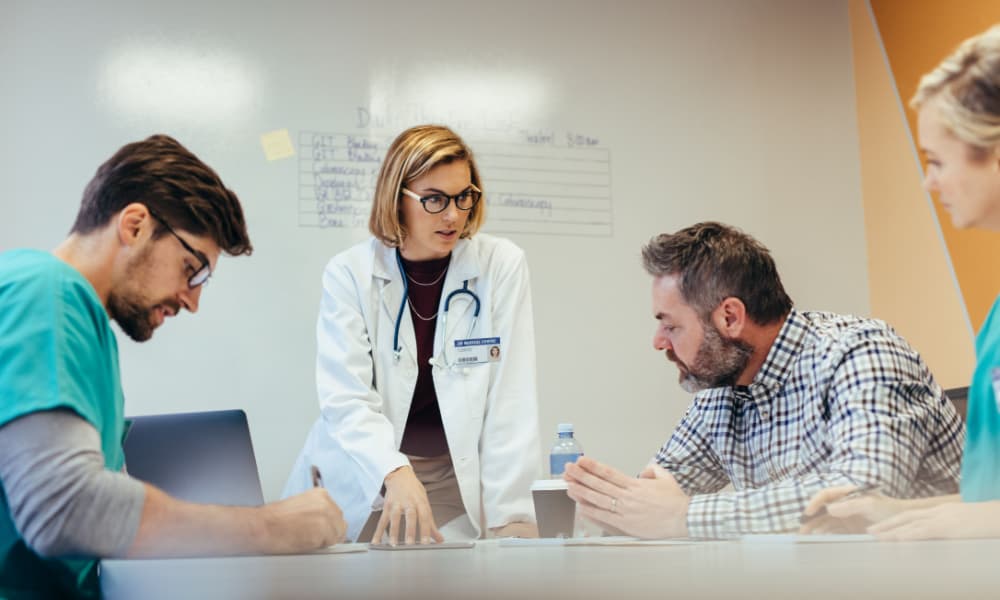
[(420, 427)]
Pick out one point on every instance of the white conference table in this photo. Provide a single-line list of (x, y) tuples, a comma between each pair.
[(937, 569)]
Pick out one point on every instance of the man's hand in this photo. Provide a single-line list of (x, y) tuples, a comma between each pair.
[(652, 506), (306, 521), (406, 501), (847, 515)]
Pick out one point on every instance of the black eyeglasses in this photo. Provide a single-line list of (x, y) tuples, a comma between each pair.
[(203, 272), (435, 203)]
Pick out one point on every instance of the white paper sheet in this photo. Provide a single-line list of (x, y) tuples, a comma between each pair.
[(792, 538)]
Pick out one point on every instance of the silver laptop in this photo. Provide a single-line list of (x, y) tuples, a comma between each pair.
[(204, 457)]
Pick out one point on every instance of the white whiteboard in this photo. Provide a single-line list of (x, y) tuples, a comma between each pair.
[(741, 111), (539, 182)]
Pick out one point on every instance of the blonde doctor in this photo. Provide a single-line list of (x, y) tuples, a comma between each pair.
[(422, 435)]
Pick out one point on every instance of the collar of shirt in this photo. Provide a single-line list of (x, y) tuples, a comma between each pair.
[(777, 367)]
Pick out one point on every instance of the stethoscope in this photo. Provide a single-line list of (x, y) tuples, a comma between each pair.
[(396, 348)]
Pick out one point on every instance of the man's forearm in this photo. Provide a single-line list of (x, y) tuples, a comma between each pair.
[(173, 528), (773, 508)]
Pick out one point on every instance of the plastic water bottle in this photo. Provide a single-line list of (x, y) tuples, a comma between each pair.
[(565, 450)]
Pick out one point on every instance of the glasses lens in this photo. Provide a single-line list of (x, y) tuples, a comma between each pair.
[(435, 203), (467, 199), (200, 277)]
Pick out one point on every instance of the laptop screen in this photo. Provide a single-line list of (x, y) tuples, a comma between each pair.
[(204, 457)]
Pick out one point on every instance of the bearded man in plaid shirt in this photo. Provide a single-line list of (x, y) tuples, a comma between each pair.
[(787, 403)]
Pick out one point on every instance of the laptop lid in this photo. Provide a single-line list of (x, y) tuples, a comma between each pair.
[(204, 457)]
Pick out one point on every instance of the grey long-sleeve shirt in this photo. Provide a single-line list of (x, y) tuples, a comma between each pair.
[(62, 499)]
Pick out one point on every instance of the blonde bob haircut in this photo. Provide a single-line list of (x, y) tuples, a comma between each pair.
[(965, 88), (412, 154)]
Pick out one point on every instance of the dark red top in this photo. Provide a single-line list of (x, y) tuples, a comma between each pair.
[(424, 433)]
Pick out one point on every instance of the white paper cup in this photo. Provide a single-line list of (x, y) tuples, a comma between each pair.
[(555, 511)]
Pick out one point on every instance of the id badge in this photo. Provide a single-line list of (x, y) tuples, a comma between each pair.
[(995, 376), (474, 351)]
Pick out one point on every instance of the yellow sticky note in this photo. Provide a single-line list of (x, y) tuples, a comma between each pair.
[(277, 144)]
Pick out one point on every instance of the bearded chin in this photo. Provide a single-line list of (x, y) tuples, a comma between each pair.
[(131, 317), (128, 306), (691, 384), (718, 363)]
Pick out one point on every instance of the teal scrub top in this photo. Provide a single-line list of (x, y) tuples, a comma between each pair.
[(57, 350), (981, 461)]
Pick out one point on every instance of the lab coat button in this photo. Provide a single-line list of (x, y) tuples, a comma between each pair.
[(465, 370)]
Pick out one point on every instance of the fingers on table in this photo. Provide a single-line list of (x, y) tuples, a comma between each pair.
[(402, 524), (388, 524), (823, 525), (410, 516), (428, 528), (827, 496), (866, 507)]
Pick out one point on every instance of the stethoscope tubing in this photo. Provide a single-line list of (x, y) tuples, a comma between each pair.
[(396, 348)]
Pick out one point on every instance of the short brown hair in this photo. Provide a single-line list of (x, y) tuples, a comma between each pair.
[(412, 154), (713, 262), (165, 176)]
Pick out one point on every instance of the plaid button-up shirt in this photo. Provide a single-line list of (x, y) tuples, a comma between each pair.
[(839, 400)]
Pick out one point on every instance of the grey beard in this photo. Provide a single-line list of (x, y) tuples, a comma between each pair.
[(718, 363)]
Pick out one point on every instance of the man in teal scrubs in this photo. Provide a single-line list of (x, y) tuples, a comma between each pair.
[(152, 224)]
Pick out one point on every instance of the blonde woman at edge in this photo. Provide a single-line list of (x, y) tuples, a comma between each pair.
[(959, 131), (422, 437)]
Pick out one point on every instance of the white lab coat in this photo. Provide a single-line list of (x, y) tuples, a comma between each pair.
[(489, 411)]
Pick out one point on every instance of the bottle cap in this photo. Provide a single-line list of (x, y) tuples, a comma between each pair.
[(564, 428)]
